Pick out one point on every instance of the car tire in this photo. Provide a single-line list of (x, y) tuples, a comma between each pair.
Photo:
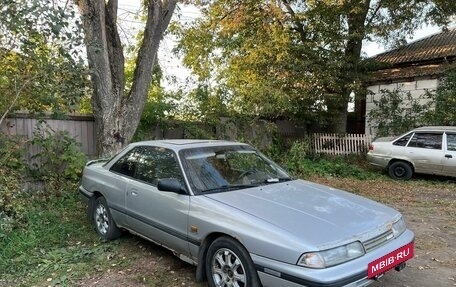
[(229, 264), (102, 219), (400, 170)]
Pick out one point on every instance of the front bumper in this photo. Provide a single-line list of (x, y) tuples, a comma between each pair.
[(349, 274), (84, 194)]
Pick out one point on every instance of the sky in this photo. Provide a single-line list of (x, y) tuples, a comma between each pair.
[(172, 65)]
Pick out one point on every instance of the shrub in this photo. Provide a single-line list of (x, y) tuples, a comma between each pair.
[(299, 153), (12, 202), (59, 161)]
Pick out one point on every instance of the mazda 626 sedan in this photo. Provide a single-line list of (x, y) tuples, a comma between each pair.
[(239, 217)]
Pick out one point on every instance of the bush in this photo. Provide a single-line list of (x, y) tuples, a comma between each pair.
[(299, 152), (301, 161), (338, 166), (59, 162), (12, 202)]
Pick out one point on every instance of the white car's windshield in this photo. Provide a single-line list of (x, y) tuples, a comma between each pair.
[(223, 168)]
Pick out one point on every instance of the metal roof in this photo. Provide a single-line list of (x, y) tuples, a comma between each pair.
[(439, 46), (429, 57)]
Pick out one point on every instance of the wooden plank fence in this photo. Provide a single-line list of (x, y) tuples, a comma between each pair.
[(81, 128), (341, 144)]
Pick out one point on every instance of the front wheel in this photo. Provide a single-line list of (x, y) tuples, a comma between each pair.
[(400, 170), (102, 219), (228, 264)]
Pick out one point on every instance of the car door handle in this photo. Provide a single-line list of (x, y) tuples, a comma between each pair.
[(448, 156), (134, 193)]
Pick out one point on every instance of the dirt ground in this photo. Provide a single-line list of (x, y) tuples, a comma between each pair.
[(429, 209)]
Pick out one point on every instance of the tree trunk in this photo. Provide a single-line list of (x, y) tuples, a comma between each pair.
[(337, 114), (117, 112), (348, 75)]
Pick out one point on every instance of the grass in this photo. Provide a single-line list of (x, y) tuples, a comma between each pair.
[(55, 246)]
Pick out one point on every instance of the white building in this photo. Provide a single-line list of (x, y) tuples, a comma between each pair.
[(414, 68)]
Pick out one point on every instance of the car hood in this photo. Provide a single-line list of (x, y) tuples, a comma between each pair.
[(321, 216)]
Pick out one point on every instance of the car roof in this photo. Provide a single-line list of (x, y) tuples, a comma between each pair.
[(437, 128), (179, 144)]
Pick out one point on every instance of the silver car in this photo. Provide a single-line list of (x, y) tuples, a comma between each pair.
[(240, 218), (430, 150)]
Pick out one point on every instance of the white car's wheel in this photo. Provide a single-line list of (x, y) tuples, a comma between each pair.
[(228, 264), (400, 170)]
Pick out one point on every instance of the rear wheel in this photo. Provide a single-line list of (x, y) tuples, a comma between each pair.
[(400, 170), (228, 264), (102, 219)]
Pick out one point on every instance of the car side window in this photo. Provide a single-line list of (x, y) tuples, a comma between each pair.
[(403, 140), (451, 142), (156, 163), (126, 165), (426, 140)]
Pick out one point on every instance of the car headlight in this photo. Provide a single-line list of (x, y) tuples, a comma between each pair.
[(333, 256), (398, 227)]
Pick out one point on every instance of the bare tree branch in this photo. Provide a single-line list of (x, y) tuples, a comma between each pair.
[(16, 97), (299, 26)]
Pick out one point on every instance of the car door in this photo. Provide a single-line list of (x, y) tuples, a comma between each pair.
[(121, 173), (425, 150), (449, 166), (158, 215)]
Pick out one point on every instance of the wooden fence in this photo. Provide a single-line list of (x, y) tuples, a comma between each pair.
[(81, 128), (341, 144)]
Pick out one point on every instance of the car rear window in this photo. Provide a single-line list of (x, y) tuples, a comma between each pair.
[(403, 140), (426, 140)]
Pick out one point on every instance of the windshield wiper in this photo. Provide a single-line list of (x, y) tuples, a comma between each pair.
[(278, 179), (229, 187)]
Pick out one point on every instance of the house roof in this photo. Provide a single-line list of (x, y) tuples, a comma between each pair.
[(437, 46), (427, 57)]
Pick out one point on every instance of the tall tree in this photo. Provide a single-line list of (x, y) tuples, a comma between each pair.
[(295, 57), (117, 111)]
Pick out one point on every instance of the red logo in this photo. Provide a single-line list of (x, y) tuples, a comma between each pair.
[(390, 260)]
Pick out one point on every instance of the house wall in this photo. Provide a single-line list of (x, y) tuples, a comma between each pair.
[(417, 88)]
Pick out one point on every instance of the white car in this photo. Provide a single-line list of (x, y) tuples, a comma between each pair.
[(429, 150)]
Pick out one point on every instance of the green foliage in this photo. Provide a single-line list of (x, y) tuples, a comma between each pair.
[(444, 99), (59, 161), (12, 152), (397, 112), (338, 167), (299, 152), (204, 104), (294, 59), (197, 130), (39, 54), (332, 166), (300, 160), (12, 199)]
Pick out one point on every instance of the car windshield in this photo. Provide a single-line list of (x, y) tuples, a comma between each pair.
[(226, 168)]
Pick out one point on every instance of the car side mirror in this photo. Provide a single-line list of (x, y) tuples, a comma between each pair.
[(171, 185)]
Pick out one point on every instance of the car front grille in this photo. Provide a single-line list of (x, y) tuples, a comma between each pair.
[(378, 240)]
